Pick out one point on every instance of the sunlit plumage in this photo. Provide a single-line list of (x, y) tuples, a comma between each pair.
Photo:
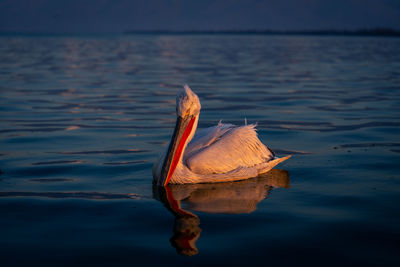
[(221, 153)]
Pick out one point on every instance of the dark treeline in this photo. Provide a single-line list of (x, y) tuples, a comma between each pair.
[(360, 32)]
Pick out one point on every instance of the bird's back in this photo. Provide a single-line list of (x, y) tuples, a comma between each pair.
[(224, 148)]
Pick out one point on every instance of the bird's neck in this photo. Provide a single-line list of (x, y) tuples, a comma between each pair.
[(190, 137)]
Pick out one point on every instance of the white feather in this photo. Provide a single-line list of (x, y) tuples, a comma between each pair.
[(228, 149)]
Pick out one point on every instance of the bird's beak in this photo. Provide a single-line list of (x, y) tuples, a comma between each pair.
[(183, 128)]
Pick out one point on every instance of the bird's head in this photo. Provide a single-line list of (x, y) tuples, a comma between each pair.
[(187, 111), (187, 103)]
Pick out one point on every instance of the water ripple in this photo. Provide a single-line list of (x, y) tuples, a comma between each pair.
[(125, 162), (360, 145), (52, 180), (82, 195), (115, 151), (59, 162)]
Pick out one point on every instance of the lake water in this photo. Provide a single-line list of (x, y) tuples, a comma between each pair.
[(83, 119)]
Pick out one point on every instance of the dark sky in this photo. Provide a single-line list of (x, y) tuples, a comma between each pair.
[(102, 16)]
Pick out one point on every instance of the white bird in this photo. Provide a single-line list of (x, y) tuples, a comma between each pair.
[(217, 154)]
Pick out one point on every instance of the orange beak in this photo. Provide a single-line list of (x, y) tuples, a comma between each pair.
[(183, 128)]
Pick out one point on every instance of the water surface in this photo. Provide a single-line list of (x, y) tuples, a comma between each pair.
[(84, 118)]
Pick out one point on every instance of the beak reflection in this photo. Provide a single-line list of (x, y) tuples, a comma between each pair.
[(227, 198)]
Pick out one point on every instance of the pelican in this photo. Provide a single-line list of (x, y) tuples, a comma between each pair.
[(222, 153)]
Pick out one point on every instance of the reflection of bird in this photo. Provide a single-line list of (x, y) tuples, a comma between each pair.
[(232, 198), (186, 226), (217, 154)]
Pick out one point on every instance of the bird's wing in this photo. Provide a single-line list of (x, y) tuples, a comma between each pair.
[(205, 137), (237, 147)]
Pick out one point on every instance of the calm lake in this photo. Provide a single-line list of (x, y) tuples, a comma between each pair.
[(83, 119)]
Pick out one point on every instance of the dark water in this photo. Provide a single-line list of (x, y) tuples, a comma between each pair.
[(83, 119)]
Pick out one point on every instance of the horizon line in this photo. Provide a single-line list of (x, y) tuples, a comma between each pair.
[(378, 31), (366, 31)]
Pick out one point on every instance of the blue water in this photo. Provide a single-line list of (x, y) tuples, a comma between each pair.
[(84, 118)]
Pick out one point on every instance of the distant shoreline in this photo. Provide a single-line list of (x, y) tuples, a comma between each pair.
[(361, 32), (378, 32)]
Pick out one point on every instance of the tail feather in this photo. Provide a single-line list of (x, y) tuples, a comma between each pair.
[(271, 164)]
